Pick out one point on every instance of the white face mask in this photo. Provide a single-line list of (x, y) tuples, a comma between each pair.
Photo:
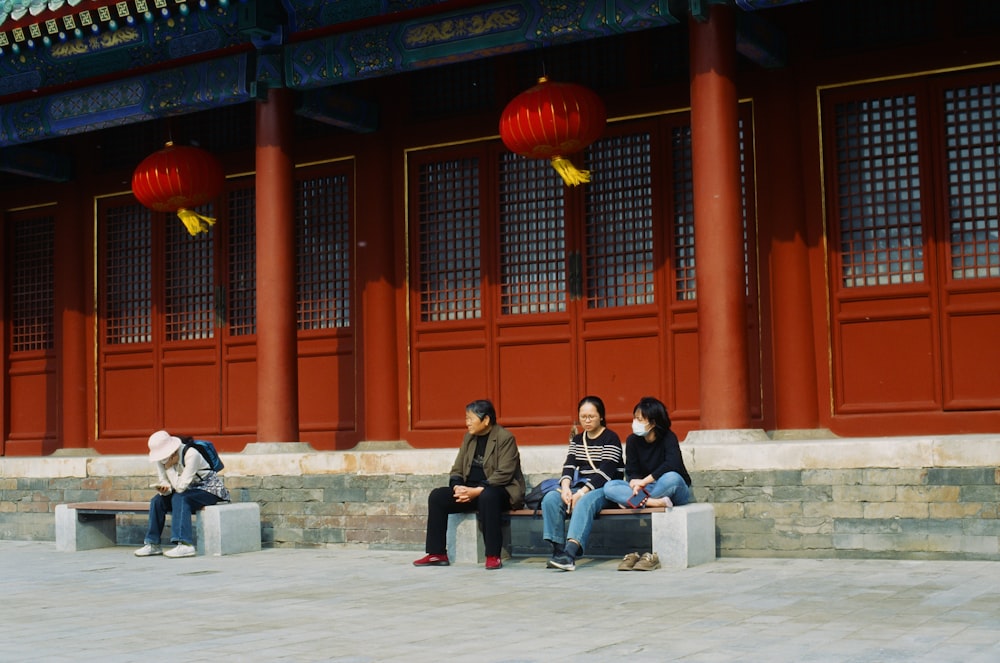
[(638, 428)]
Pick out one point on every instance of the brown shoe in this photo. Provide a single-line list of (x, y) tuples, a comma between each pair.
[(648, 562), (628, 562)]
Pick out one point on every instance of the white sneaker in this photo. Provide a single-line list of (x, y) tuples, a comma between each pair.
[(182, 550), (149, 550)]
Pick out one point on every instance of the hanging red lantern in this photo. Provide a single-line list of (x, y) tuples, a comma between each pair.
[(552, 121), (178, 178)]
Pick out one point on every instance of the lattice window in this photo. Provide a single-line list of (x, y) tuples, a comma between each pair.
[(32, 284), (972, 123), (619, 222), (448, 240), (128, 281), (532, 237), (878, 190), (322, 222), (189, 292), (241, 314), (683, 196)]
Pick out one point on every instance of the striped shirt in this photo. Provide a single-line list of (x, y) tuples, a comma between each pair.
[(606, 453)]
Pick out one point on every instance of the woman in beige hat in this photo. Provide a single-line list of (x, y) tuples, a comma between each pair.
[(186, 484)]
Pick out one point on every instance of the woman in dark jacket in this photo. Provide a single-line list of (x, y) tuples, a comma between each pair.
[(486, 478), (654, 469)]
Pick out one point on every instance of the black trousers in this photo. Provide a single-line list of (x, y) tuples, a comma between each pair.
[(490, 505)]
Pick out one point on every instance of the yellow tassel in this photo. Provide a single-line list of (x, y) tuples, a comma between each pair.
[(194, 222), (570, 174)]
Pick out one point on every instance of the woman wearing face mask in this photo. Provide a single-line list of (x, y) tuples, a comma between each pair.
[(654, 469)]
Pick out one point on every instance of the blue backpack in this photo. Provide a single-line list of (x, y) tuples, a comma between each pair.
[(533, 500), (208, 452)]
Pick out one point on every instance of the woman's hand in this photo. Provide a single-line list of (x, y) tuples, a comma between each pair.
[(467, 494), (574, 498), (636, 485)]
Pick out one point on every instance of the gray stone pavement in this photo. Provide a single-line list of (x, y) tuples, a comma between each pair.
[(353, 605)]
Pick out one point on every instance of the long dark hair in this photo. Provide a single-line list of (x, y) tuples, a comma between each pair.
[(655, 412)]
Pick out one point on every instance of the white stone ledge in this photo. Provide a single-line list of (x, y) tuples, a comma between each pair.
[(702, 453), (847, 453)]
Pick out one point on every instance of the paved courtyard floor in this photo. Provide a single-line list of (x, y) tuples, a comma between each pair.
[(352, 605)]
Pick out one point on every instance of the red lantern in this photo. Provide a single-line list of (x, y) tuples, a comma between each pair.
[(551, 121), (177, 178)]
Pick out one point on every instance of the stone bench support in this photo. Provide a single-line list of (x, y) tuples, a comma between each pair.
[(682, 536), (221, 529)]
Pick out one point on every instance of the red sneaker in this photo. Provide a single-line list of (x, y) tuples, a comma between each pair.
[(493, 563), (432, 560)]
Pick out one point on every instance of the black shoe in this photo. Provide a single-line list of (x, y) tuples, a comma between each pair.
[(562, 561), (566, 560)]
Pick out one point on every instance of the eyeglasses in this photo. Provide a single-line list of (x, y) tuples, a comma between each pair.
[(588, 417)]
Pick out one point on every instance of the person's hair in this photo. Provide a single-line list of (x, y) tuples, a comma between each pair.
[(482, 409), (597, 403), (655, 412)]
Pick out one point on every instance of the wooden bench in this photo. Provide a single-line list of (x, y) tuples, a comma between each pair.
[(682, 536), (221, 529)]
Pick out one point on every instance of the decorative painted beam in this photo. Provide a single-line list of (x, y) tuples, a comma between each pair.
[(179, 91), (475, 32)]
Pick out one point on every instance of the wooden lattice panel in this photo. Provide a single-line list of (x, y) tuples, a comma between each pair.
[(448, 240), (878, 192), (32, 281), (619, 223), (683, 197), (322, 222), (127, 288), (189, 283), (532, 237), (972, 151), (241, 304)]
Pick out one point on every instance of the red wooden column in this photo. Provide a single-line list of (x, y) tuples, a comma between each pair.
[(781, 202), (376, 275), (718, 223), (277, 371)]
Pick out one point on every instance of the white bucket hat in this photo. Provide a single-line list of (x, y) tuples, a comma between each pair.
[(161, 445)]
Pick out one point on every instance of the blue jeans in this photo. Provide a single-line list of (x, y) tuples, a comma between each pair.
[(669, 485), (181, 506), (580, 521)]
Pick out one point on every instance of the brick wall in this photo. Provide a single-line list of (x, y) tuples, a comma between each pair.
[(378, 499), (915, 513)]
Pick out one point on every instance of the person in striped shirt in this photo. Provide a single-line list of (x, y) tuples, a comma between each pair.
[(594, 458)]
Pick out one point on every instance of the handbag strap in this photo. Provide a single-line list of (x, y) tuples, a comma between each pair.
[(587, 451)]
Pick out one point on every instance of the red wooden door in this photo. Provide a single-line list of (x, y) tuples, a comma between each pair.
[(915, 259), (535, 294), (31, 382), (178, 317), (160, 306)]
